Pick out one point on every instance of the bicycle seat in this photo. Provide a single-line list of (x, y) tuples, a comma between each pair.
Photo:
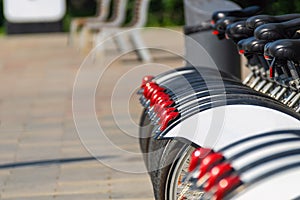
[(238, 31), (252, 45), (255, 46), (276, 31), (222, 24), (256, 21), (242, 44), (286, 49), (246, 12), (252, 59)]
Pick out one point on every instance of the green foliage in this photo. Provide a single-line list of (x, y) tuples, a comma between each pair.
[(81, 8), (2, 30), (161, 12), (167, 12), (284, 7), (273, 7)]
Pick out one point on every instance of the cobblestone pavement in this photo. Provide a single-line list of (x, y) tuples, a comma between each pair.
[(41, 155)]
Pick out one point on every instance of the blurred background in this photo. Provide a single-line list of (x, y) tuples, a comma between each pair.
[(161, 11), (41, 154)]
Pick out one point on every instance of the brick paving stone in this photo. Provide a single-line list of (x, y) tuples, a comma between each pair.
[(30, 182), (41, 154)]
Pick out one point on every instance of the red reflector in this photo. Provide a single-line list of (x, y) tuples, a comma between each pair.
[(162, 99), (164, 104), (168, 119), (155, 95), (146, 80), (267, 57), (209, 162), (148, 87), (164, 112), (271, 72), (225, 186), (215, 32), (197, 156), (217, 173), (241, 51), (154, 89)]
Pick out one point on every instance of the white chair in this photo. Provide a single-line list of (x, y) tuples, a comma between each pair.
[(117, 19), (133, 32), (77, 23)]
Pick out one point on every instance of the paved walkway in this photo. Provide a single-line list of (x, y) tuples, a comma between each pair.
[(41, 155)]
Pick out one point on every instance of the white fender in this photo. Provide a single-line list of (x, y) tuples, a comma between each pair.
[(281, 186), (221, 126)]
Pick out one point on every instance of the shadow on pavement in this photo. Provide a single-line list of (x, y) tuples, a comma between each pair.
[(51, 162)]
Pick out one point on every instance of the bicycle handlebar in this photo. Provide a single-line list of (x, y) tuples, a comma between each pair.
[(205, 26)]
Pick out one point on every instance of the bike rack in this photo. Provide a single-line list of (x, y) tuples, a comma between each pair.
[(248, 132)]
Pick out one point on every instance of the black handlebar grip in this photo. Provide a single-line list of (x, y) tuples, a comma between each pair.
[(205, 26)]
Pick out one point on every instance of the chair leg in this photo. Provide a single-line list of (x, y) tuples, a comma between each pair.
[(99, 45), (84, 38), (138, 43), (73, 31), (121, 43)]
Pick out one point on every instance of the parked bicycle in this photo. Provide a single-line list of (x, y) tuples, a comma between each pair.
[(224, 118)]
